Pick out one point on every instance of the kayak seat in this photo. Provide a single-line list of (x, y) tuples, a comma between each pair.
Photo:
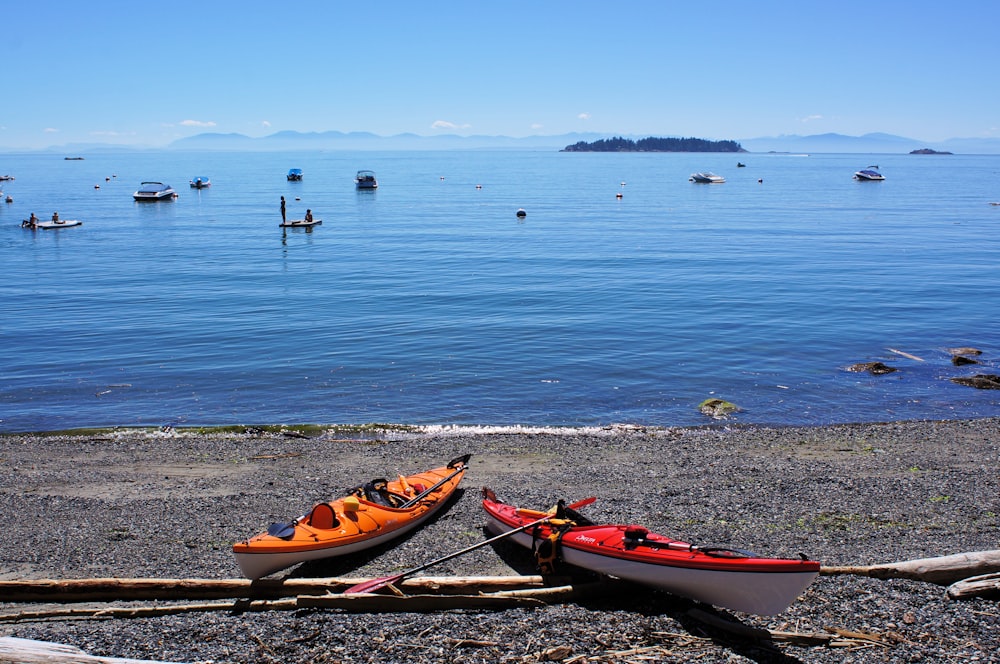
[(323, 517), (377, 492)]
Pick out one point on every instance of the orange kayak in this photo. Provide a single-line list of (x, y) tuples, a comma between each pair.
[(369, 515)]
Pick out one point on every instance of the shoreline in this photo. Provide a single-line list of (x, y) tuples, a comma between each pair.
[(314, 429), (169, 503)]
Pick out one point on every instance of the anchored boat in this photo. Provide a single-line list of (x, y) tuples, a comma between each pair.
[(706, 178), (727, 578), (365, 180), (371, 514), (154, 191), (870, 174)]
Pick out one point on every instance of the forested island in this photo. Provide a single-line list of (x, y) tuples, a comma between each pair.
[(653, 144)]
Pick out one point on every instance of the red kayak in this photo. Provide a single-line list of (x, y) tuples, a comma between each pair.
[(727, 578)]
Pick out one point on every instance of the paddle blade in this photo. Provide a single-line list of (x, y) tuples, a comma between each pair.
[(282, 530), (372, 585)]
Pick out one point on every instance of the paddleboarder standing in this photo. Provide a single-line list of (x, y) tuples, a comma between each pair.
[(282, 209)]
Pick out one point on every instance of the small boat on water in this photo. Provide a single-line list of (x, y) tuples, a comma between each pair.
[(154, 191), (294, 174), (366, 180), (869, 174), (371, 514), (706, 178), (300, 223), (51, 225), (728, 578), (6, 178), (201, 183)]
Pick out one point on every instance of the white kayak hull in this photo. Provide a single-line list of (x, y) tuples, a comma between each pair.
[(759, 593)]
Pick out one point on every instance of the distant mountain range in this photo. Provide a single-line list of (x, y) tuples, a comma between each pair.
[(359, 140), (876, 143)]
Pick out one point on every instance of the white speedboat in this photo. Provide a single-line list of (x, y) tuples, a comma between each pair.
[(366, 180), (707, 178), (869, 174), (154, 191), (200, 182)]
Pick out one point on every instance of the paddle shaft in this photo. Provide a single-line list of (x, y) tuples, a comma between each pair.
[(413, 501), (375, 584)]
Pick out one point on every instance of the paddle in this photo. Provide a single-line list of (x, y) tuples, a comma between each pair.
[(462, 462), (375, 584)]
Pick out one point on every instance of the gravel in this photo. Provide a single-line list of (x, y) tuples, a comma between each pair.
[(169, 504)]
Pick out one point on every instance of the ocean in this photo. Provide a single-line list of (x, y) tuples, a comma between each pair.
[(626, 295)]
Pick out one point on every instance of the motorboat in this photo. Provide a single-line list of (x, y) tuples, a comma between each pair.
[(200, 183), (869, 174), (729, 578), (707, 178), (371, 514), (366, 180), (154, 191), (294, 174)]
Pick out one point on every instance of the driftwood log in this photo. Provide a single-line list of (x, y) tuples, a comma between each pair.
[(26, 651), (353, 603), (112, 589), (942, 570), (985, 585)]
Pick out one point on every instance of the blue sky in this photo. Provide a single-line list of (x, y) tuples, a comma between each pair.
[(150, 73)]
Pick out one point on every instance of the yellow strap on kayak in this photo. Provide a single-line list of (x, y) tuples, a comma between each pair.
[(548, 553)]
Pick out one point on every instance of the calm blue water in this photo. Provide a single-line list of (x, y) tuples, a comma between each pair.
[(428, 302)]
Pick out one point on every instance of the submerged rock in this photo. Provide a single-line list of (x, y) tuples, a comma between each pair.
[(962, 360), (874, 368), (965, 350), (980, 381), (717, 408)]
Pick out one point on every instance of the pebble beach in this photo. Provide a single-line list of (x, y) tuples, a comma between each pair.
[(149, 503)]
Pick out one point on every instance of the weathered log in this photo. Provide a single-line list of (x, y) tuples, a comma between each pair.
[(908, 355), (354, 603), (110, 589), (986, 586), (25, 651), (374, 603), (833, 637), (604, 587), (941, 570), (238, 606)]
